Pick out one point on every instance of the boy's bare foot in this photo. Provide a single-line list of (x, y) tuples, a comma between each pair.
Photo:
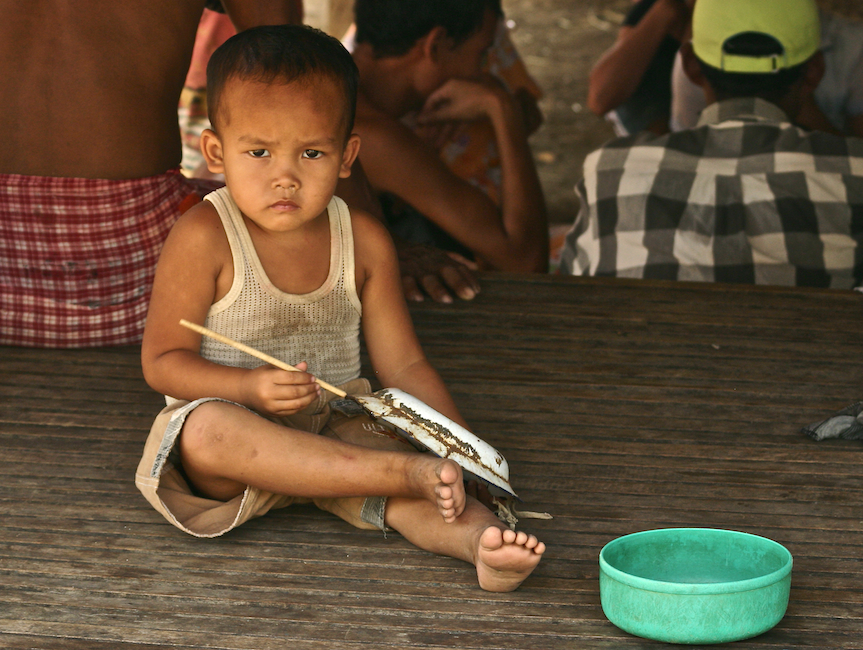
[(505, 558), (440, 481)]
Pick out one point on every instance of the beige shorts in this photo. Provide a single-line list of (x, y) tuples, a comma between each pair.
[(161, 480)]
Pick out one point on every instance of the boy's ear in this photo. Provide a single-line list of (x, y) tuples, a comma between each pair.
[(211, 147), (434, 43), (352, 150)]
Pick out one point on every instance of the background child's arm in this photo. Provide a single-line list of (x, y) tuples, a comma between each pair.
[(512, 237), (196, 269), (394, 350)]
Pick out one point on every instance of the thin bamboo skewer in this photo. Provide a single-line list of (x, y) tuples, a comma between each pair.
[(257, 354)]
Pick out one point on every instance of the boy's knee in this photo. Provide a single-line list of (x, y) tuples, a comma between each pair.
[(204, 432)]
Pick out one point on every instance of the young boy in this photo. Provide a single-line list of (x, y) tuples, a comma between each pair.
[(425, 58), (277, 262)]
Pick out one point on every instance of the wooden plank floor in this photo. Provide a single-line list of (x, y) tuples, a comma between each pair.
[(620, 406)]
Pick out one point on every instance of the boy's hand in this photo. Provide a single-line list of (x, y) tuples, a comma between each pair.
[(279, 392), (462, 99), (438, 134), (448, 110)]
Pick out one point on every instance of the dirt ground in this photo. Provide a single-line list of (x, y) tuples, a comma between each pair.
[(560, 40)]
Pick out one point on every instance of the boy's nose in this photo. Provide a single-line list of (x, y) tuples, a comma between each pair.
[(286, 179)]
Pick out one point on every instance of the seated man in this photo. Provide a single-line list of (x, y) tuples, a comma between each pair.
[(835, 106), (89, 160), (745, 196), (423, 57)]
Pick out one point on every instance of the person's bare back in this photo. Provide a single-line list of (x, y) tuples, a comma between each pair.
[(90, 90), (95, 88)]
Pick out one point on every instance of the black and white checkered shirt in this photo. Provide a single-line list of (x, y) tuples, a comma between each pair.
[(743, 197)]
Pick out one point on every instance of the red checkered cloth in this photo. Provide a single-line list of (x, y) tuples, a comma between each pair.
[(77, 255)]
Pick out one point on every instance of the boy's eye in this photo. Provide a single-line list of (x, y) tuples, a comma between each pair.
[(259, 153), (312, 154)]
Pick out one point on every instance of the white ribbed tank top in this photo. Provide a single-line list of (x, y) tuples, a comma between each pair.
[(321, 327)]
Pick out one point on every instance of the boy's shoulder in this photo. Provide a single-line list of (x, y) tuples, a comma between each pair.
[(203, 216), (366, 226), (373, 244), (199, 226), (392, 154), (372, 122)]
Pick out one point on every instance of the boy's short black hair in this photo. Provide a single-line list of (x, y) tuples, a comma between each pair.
[(392, 27), (284, 53), (771, 86)]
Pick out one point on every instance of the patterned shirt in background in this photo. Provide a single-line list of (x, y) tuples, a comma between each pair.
[(472, 153), (744, 197)]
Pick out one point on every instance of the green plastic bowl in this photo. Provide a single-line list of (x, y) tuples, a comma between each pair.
[(694, 585)]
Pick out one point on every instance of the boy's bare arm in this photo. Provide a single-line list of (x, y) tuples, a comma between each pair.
[(424, 269), (394, 350), (196, 268), (619, 71), (513, 237)]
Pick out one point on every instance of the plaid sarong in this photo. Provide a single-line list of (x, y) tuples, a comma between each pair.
[(77, 256)]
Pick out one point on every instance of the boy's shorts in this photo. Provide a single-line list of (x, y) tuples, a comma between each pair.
[(162, 482)]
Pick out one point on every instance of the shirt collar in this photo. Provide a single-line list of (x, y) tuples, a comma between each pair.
[(750, 109)]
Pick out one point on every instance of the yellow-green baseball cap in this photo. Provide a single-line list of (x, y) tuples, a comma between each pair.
[(794, 25)]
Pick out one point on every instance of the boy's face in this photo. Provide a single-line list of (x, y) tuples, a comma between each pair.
[(282, 149), (465, 60)]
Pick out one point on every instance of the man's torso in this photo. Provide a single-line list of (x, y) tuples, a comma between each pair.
[(91, 89)]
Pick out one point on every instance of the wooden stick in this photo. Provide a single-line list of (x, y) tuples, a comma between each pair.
[(257, 354)]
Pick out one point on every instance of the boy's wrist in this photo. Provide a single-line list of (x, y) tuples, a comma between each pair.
[(504, 114), (499, 96)]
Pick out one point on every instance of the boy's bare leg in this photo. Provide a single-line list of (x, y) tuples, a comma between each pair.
[(503, 557), (224, 448)]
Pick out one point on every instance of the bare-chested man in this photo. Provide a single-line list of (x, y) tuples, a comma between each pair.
[(89, 153), (425, 56)]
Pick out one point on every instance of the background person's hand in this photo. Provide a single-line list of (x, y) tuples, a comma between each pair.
[(439, 274), (459, 101), (438, 134), (463, 99)]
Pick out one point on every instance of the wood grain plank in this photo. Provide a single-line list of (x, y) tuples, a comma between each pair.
[(620, 406)]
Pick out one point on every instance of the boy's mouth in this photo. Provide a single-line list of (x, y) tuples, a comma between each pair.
[(284, 205)]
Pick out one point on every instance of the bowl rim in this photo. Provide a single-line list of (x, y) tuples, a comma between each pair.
[(661, 586)]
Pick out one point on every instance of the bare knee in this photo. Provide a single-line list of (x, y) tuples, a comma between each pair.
[(206, 437), (207, 449)]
